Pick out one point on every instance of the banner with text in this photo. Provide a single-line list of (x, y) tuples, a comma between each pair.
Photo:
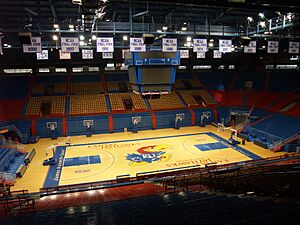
[(200, 55), (200, 45), (184, 54), (42, 55), (217, 54), (273, 46), (87, 54), (107, 55), (105, 44), (294, 47), (69, 44), (36, 45), (64, 55), (225, 46), (251, 48), (137, 45), (169, 44)]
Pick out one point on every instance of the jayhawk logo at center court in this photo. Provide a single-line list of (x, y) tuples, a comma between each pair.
[(149, 154)]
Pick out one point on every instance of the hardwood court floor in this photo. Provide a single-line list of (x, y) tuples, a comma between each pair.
[(106, 156)]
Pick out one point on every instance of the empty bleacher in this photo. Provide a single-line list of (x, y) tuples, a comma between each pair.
[(87, 88), (187, 84), (118, 86), (126, 101), (195, 97), (182, 208), (168, 101), (87, 104), (257, 79), (49, 89), (46, 105), (14, 87)]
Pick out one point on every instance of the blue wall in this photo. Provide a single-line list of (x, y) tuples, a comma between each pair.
[(43, 131), (167, 119), (122, 121), (75, 125)]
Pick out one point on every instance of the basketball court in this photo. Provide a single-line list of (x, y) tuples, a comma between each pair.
[(107, 156)]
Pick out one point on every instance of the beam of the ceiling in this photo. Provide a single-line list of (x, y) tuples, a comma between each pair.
[(51, 4)]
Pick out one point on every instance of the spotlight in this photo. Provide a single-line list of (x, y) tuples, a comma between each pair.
[(188, 44), (262, 23), (210, 44), (165, 28), (125, 38), (54, 37), (55, 26), (250, 19), (261, 15), (211, 40), (159, 31), (188, 39), (71, 26), (94, 37), (183, 28), (81, 37), (81, 43)]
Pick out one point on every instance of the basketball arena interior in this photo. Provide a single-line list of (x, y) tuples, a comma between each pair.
[(149, 112)]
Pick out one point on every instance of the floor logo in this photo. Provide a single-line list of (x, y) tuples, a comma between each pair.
[(149, 154)]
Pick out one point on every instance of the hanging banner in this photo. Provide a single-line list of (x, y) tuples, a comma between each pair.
[(184, 54), (105, 44), (225, 46), (200, 55), (217, 54), (273, 46), (294, 47), (251, 48), (137, 45), (87, 54), (1, 50), (107, 55), (200, 45), (36, 46), (169, 44), (69, 44), (64, 55), (42, 55)]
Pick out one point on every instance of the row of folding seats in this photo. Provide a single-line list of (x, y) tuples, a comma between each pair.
[(182, 208), (41, 88), (168, 101), (85, 104), (86, 88), (57, 105)]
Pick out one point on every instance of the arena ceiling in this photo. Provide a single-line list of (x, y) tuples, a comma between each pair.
[(125, 17)]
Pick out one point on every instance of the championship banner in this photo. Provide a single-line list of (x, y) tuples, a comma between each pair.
[(217, 54), (69, 44), (1, 50), (87, 54), (169, 44), (105, 44), (64, 55), (184, 54), (200, 45), (251, 48), (200, 55), (107, 55), (42, 55), (225, 46), (137, 45), (294, 47), (273, 46), (36, 46)]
